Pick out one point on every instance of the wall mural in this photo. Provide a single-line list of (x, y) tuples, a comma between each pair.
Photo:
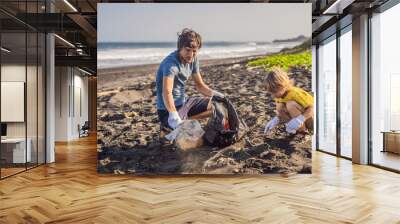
[(204, 88)]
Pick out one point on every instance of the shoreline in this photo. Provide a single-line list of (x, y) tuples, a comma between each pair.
[(113, 78), (203, 63)]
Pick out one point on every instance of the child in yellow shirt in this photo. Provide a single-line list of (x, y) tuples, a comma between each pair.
[(294, 106)]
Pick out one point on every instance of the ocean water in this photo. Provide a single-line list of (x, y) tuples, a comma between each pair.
[(113, 55)]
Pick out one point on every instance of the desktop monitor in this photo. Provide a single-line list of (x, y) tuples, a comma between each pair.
[(3, 129)]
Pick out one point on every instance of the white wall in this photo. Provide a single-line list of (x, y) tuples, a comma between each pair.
[(70, 83), (17, 73), (14, 73), (61, 103), (81, 102)]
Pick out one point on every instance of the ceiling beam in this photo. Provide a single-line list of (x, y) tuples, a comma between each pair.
[(337, 7), (86, 27), (81, 61)]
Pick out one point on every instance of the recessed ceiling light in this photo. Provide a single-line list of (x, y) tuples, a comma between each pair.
[(86, 72), (64, 40), (70, 5), (5, 49)]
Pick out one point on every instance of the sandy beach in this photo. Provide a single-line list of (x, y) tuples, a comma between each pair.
[(128, 126)]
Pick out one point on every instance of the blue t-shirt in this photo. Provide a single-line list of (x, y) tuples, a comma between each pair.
[(171, 66)]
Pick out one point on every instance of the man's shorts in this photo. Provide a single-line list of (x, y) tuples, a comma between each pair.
[(192, 107)]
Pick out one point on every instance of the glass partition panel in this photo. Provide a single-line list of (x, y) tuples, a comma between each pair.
[(346, 93), (31, 98), (14, 153), (327, 95), (385, 89)]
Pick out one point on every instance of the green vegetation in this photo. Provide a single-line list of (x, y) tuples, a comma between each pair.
[(285, 61), (306, 45)]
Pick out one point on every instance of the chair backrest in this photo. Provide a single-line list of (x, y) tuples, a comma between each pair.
[(86, 125)]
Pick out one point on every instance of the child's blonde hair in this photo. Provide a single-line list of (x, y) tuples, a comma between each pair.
[(276, 79)]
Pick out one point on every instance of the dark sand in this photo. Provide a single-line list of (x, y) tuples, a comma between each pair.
[(128, 126)]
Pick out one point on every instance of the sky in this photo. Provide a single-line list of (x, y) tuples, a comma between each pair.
[(230, 22)]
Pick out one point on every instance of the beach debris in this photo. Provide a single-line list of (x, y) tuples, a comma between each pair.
[(131, 114), (112, 117), (117, 171), (236, 66), (105, 161), (188, 135)]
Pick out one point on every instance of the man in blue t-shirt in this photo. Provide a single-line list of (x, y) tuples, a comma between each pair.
[(174, 70)]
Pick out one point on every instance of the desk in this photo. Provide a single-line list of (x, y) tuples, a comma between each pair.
[(391, 141), (16, 147)]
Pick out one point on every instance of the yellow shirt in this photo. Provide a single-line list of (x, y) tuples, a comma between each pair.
[(299, 95)]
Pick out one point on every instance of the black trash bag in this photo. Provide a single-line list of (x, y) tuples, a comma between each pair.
[(224, 127)]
